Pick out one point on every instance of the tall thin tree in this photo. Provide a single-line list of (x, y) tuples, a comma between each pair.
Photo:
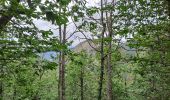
[(101, 53)]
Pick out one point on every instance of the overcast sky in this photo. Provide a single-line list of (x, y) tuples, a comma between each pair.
[(45, 25), (76, 38)]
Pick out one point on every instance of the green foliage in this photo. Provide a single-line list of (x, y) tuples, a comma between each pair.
[(64, 2), (92, 10), (142, 73)]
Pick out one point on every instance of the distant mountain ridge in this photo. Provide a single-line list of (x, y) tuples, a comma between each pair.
[(89, 46)]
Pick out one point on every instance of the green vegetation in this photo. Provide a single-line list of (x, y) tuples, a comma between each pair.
[(127, 56)]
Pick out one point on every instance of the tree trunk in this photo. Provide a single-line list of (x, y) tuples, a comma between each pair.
[(101, 55), (82, 84), (109, 74), (1, 90), (62, 65), (109, 67), (109, 60), (14, 93), (1, 82), (60, 54), (36, 97), (62, 97), (168, 8)]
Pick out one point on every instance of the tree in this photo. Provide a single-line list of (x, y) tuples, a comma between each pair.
[(125, 57), (9, 12)]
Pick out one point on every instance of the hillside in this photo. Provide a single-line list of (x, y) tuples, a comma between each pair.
[(90, 46)]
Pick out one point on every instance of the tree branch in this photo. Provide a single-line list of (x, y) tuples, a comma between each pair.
[(4, 19)]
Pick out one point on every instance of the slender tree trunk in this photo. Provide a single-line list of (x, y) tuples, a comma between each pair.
[(60, 54), (62, 81), (125, 83), (168, 2), (82, 84), (109, 60), (36, 97), (63, 64), (1, 85), (101, 55), (109, 74), (60, 87), (109, 68), (1, 81), (59, 77), (1, 91), (61, 84), (14, 93)]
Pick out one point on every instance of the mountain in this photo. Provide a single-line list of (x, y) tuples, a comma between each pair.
[(87, 46), (90, 47)]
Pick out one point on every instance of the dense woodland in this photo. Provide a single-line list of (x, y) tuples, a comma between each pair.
[(125, 53)]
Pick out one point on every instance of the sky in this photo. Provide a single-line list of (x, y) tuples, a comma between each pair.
[(76, 38)]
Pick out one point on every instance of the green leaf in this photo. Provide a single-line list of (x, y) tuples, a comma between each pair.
[(64, 2)]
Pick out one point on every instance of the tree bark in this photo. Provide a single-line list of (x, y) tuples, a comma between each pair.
[(82, 84), (101, 55), (60, 54), (14, 92), (109, 74), (1, 85), (109, 66), (61, 85), (63, 67), (62, 76), (168, 1)]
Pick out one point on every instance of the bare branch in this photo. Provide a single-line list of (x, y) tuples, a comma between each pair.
[(86, 38)]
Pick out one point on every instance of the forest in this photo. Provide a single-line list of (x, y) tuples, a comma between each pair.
[(84, 49)]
